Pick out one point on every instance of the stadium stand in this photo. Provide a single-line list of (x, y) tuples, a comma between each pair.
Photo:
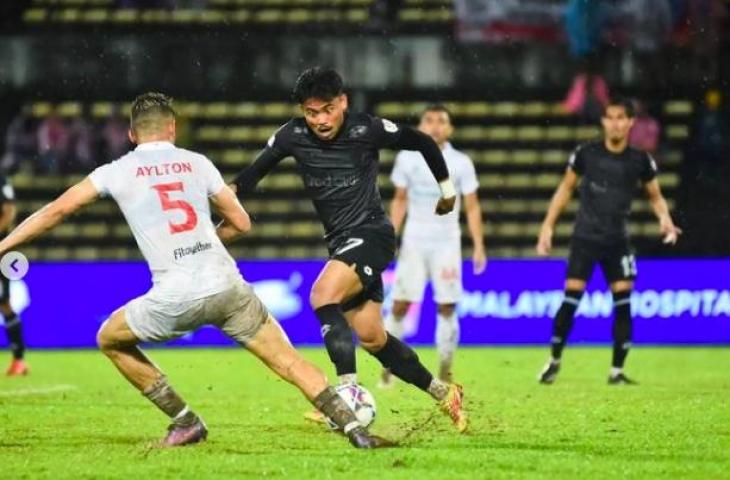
[(231, 12), (519, 148)]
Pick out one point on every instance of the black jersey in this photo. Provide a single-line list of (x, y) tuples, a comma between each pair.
[(608, 186), (340, 175)]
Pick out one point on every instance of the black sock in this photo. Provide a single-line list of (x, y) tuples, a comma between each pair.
[(403, 362), (15, 335), (337, 336), (621, 327), (563, 322)]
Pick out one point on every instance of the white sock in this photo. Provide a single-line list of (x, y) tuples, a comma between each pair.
[(447, 336), (394, 325), (615, 371), (182, 413), (348, 379), (438, 389)]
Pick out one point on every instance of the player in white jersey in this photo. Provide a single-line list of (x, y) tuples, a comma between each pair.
[(424, 256), (165, 194)]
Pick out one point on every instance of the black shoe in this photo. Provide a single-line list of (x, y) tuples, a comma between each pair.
[(360, 438), (620, 379), (549, 373)]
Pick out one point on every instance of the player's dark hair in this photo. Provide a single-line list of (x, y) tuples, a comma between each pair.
[(317, 82), (149, 109), (437, 107), (624, 102)]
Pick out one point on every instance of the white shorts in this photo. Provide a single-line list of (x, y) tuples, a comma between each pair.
[(238, 312), (417, 265)]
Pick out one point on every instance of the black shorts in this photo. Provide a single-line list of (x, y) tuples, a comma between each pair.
[(617, 260), (5, 295), (370, 249)]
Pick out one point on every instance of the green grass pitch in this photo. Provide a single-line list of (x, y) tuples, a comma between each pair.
[(75, 417)]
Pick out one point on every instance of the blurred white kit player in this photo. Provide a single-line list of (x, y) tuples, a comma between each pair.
[(431, 245)]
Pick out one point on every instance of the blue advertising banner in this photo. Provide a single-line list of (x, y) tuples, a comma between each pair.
[(676, 302)]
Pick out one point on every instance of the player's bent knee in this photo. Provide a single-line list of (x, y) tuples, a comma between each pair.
[(622, 286), (373, 342), (575, 284), (107, 340), (103, 338), (323, 295)]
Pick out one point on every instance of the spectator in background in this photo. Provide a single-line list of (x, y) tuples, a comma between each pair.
[(588, 95), (584, 21), (705, 19), (712, 139), (651, 28), (20, 141), (53, 142), (706, 171), (114, 136), (646, 131), (81, 142)]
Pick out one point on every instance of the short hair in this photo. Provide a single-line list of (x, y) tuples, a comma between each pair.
[(436, 107), (150, 111), (624, 102), (317, 82)]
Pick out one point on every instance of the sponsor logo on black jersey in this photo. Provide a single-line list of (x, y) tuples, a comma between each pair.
[(330, 181)]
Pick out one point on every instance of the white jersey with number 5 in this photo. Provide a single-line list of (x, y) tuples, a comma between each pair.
[(411, 172), (163, 193)]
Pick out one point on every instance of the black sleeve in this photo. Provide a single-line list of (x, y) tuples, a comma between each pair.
[(401, 137), (576, 162), (273, 153), (411, 139), (649, 168)]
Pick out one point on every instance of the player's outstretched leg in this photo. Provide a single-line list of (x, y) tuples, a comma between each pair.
[(14, 331), (447, 339), (336, 282), (271, 345), (119, 344), (394, 326), (404, 363), (562, 325), (622, 327)]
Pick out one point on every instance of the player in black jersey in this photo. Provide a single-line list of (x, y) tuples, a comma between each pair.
[(611, 172), (13, 328), (337, 155)]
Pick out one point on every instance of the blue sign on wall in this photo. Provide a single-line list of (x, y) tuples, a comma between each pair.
[(676, 301)]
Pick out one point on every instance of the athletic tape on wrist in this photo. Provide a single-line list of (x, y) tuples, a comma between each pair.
[(447, 188)]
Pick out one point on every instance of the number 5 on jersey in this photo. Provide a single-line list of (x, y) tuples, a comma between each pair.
[(191, 218)]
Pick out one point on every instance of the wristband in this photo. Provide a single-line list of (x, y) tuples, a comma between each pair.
[(447, 188)]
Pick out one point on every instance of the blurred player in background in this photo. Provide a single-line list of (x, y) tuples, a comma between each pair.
[(611, 172), (337, 154), (165, 194), (422, 256), (13, 327)]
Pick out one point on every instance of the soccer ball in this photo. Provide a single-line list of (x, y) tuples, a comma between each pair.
[(360, 400)]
